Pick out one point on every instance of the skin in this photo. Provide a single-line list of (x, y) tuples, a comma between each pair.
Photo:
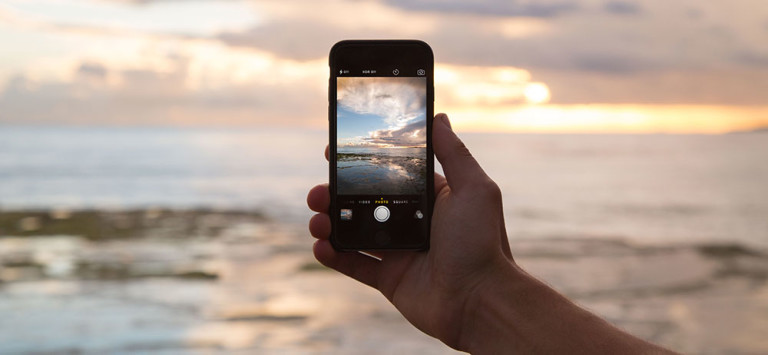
[(467, 289)]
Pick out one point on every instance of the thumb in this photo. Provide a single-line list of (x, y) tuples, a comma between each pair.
[(461, 169)]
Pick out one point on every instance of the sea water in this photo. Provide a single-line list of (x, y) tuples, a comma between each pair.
[(643, 188), (578, 210)]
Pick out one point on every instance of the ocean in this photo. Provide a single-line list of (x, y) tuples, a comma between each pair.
[(397, 152), (643, 188), (182, 240), (123, 168)]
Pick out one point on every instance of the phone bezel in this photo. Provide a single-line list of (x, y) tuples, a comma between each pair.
[(379, 53)]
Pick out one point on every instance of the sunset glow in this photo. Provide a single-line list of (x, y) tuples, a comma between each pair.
[(265, 64), (610, 119), (536, 93)]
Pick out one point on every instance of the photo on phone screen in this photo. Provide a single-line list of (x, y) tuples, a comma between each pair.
[(381, 144), (381, 156)]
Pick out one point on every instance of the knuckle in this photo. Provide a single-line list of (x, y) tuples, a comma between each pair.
[(462, 150), (489, 189)]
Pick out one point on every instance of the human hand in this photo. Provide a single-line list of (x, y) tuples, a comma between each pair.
[(435, 290)]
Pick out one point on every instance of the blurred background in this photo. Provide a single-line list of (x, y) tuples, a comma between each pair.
[(155, 158)]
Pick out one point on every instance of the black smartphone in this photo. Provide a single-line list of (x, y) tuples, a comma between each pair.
[(380, 97)]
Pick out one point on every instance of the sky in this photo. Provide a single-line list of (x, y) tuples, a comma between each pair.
[(384, 112), (565, 66)]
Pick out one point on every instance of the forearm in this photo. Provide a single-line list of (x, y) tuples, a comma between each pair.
[(518, 314)]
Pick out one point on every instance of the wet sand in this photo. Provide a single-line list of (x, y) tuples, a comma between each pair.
[(203, 280), (372, 174)]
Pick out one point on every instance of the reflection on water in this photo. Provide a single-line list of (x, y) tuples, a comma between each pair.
[(664, 236), (369, 172), (245, 283), (387, 152), (250, 283)]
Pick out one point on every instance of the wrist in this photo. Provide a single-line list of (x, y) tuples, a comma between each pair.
[(487, 306), (513, 312)]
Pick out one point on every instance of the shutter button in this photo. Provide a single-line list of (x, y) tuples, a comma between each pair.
[(381, 213)]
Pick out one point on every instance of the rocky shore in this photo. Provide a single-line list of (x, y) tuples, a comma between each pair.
[(200, 280)]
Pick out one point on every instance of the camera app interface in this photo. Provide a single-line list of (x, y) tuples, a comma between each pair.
[(381, 156)]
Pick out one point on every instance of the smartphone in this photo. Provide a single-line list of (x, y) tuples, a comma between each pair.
[(380, 110)]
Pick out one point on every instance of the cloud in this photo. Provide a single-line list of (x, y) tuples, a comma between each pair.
[(94, 70), (398, 101), (168, 17), (685, 51), (751, 58), (595, 38), (306, 29), (514, 8), (298, 40), (727, 86), (99, 95), (411, 135), (622, 8)]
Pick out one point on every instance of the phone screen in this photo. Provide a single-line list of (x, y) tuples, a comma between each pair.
[(382, 157)]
